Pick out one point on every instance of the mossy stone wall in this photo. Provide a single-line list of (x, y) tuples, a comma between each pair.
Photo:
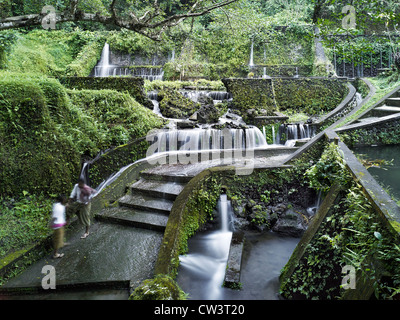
[(132, 85), (312, 96)]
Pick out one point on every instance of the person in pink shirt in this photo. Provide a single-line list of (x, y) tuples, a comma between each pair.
[(58, 223)]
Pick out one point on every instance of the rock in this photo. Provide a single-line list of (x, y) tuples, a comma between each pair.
[(208, 114), (290, 223), (174, 105)]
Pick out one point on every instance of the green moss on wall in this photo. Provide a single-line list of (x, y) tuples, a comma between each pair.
[(86, 60), (133, 86), (35, 155), (311, 96), (174, 105)]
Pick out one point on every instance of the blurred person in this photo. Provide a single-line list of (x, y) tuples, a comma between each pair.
[(57, 223), (82, 193)]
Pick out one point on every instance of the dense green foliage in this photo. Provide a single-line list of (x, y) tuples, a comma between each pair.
[(45, 130), (23, 222), (53, 53), (162, 287), (352, 234)]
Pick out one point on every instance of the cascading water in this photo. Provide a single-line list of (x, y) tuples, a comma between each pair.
[(251, 63), (206, 262), (103, 67), (289, 133), (208, 139)]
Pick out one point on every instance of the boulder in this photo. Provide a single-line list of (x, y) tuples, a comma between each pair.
[(290, 223)]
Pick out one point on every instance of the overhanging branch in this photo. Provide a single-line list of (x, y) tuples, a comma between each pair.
[(147, 25)]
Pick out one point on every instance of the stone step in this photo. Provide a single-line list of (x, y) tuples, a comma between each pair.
[(390, 109), (146, 203), (393, 101), (160, 189), (367, 120), (136, 218), (166, 177), (384, 110)]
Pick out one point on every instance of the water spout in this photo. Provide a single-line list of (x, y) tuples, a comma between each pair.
[(251, 64), (102, 69)]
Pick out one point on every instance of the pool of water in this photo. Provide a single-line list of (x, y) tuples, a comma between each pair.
[(388, 177), (264, 256)]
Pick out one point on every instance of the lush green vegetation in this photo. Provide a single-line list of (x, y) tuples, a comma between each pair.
[(352, 234), (48, 127)]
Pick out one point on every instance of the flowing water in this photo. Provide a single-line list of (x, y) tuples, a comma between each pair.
[(105, 69), (203, 268), (207, 139), (201, 272), (288, 134)]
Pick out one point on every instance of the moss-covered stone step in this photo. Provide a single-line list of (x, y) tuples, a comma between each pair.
[(166, 177), (136, 218), (162, 189), (146, 203)]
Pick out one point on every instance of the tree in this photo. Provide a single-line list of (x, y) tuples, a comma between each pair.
[(149, 19)]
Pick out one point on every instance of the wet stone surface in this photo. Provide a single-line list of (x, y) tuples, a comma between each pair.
[(110, 253)]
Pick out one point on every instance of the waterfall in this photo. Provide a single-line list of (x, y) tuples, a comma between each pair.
[(207, 139), (102, 68), (313, 210), (105, 69), (224, 213), (273, 135), (207, 258), (290, 133), (251, 64), (297, 73)]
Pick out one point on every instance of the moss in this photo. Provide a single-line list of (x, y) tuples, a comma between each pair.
[(254, 94), (162, 287), (86, 60), (174, 105), (34, 151), (395, 225), (133, 86)]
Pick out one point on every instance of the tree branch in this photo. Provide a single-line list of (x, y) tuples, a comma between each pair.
[(143, 25)]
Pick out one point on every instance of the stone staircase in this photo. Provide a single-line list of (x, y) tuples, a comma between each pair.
[(390, 106), (149, 201)]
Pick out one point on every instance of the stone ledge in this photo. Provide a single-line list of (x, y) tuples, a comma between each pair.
[(234, 263)]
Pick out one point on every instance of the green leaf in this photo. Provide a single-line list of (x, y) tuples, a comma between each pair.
[(378, 235)]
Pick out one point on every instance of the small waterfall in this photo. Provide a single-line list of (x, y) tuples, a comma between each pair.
[(273, 135), (297, 73), (359, 98), (313, 210), (103, 67), (251, 63), (217, 96), (290, 133), (208, 139), (206, 261)]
